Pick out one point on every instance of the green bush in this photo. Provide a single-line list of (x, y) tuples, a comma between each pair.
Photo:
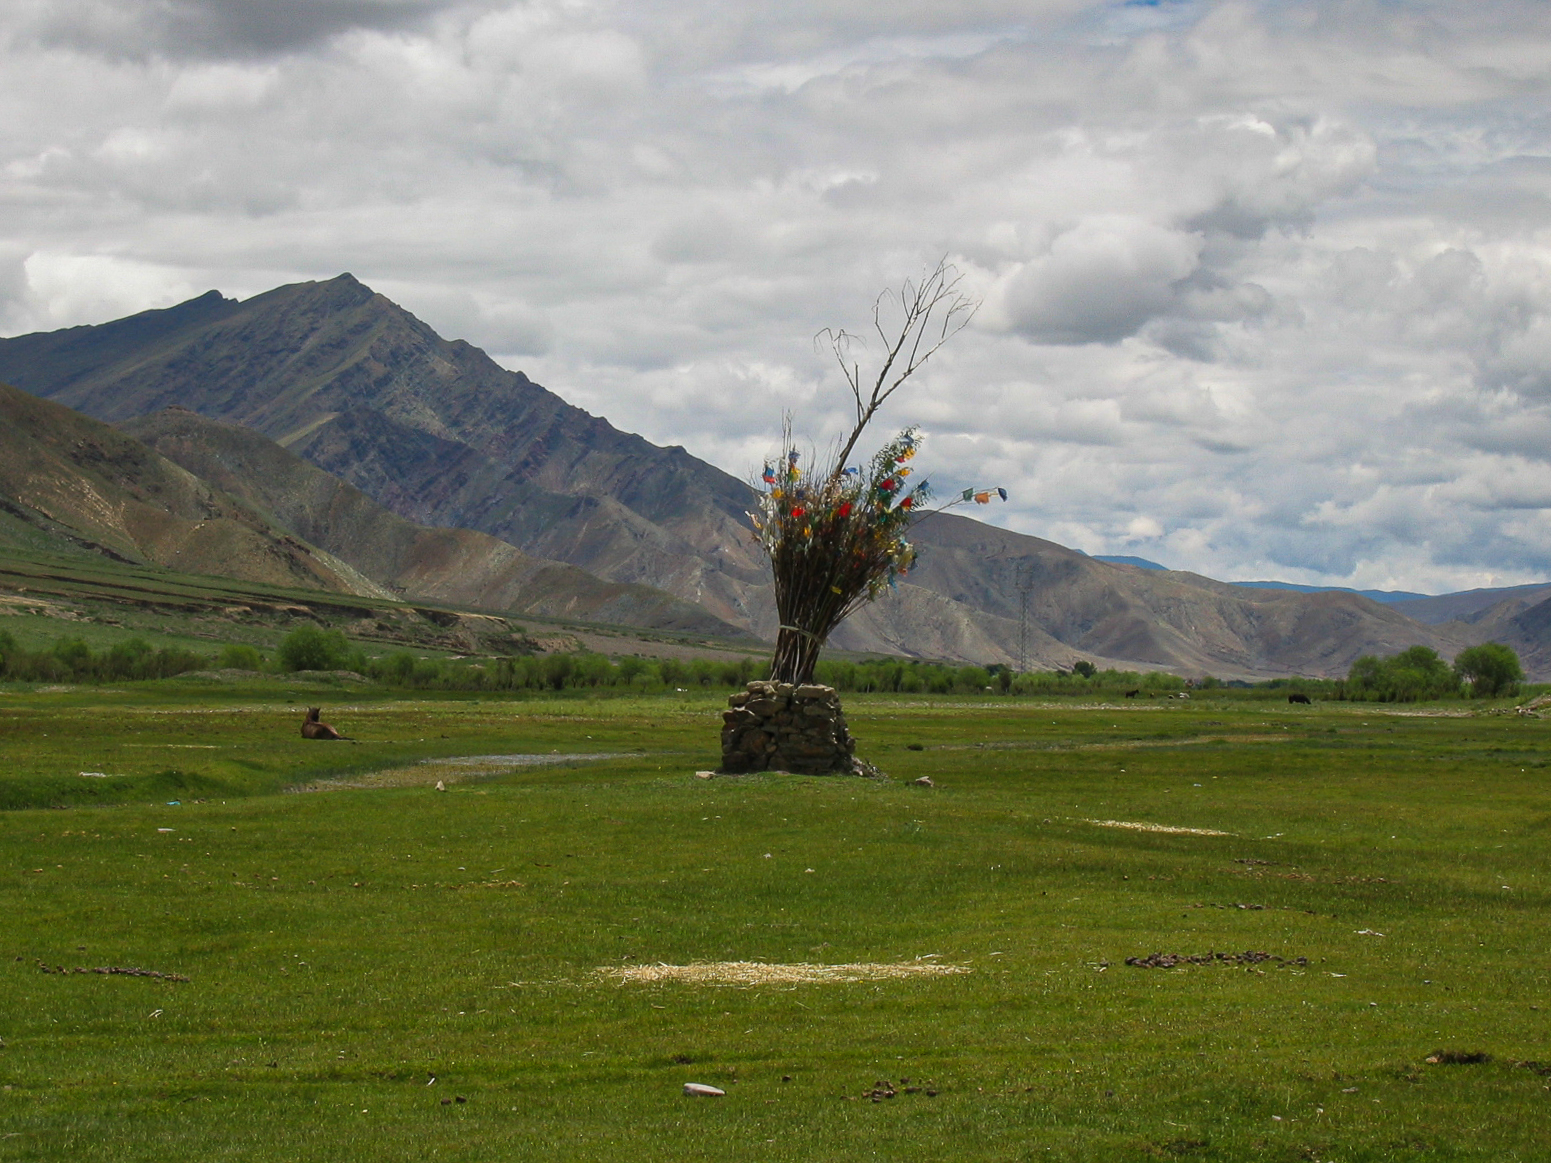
[(1413, 674), (73, 660), (1491, 669), (312, 648), (237, 656)]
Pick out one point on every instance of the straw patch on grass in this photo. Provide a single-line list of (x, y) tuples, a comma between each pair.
[(1136, 826), (763, 973)]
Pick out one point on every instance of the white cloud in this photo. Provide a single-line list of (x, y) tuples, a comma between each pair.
[(57, 290), (1268, 286), (1099, 282)]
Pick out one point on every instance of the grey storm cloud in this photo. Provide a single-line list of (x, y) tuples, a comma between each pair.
[(211, 28), (1266, 287)]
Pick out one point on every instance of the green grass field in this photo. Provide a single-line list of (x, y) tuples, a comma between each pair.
[(345, 947)]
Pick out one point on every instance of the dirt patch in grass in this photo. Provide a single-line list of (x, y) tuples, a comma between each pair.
[(763, 973), (460, 769)]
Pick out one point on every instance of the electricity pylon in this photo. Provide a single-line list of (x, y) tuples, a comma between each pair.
[(1023, 582)]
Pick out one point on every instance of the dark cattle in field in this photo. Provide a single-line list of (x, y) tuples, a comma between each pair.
[(313, 729), (1304, 699), (1133, 694)]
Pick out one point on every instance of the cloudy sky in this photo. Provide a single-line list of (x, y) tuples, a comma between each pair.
[(1266, 286)]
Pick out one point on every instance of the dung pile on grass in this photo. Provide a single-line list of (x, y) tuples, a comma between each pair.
[(762, 973), (114, 971), (1458, 1057), (1249, 957)]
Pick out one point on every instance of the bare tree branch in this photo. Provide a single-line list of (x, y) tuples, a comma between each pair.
[(931, 312)]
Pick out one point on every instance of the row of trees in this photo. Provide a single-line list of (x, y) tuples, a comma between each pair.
[(1490, 670), (72, 660), (310, 648), (1486, 671)]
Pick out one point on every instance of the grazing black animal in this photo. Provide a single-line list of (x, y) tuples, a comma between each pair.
[(1304, 699), (313, 729), (1133, 694)]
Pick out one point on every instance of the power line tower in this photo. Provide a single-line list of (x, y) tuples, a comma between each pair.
[(1023, 582)]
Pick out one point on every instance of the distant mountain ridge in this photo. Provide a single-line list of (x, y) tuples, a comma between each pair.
[(440, 435), (1433, 609), (1389, 597), (1121, 559)]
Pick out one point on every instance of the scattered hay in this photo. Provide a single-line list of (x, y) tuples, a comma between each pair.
[(762, 973), (1168, 828)]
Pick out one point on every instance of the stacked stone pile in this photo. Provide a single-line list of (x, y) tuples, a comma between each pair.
[(775, 726)]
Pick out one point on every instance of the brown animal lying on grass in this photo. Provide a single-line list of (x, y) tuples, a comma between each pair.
[(313, 729)]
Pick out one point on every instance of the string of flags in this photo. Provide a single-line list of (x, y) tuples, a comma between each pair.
[(858, 512), (983, 496)]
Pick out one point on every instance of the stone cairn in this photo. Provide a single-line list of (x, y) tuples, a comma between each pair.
[(775, 726)]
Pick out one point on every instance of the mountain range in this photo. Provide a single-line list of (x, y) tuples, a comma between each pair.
[(417, 464), (227, 501), (1466, 605)]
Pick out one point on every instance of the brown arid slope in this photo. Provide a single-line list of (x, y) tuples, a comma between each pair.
[(1521, 620), (1082, 608), (441, 435), (457, 566), (69, 483), (1474, 605)]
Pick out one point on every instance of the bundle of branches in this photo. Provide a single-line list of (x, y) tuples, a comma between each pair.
[(835, 533), (835, 540)]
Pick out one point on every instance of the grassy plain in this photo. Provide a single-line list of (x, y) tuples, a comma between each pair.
[(344, 948)]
